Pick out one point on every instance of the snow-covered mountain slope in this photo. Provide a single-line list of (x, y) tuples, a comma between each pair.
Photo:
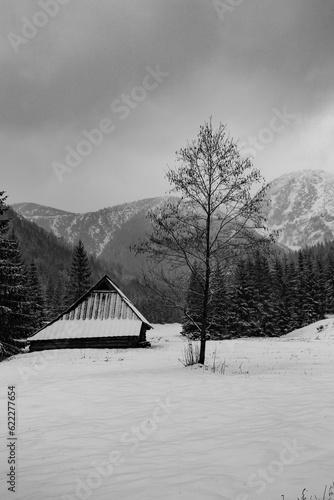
[(96, 229), (302, 208)]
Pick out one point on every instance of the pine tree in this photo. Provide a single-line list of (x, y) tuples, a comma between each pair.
[(291, 296), (244, 301), (15, 305), (302, 291), (311, 306), (218, 306), (79, 275), (321, 290), (50, 312), (21, 317), (36, 298), (307, 300), (59, 298), (279, 291), (191, 325), (5, 311), (262, 280), (222, 311), (55, 300), (330, 281)]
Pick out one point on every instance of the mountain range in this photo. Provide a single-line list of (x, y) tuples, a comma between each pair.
[(300, 207), (107, 233)]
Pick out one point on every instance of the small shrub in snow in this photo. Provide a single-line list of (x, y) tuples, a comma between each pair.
[(218, 366), (190, 354)]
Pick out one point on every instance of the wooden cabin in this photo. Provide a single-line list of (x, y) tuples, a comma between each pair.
[(103, 317)]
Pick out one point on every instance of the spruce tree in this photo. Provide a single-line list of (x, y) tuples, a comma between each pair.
[(279, 297), (321, 290), (192, 314), (302, 291), (36, 298), (59, 298), (55, 299), (218, 310), (329, 266), (244, 301), (79, 275), (311, 305), (21, 301), (50, 312), (15, 318), (292, 301), (5, 311), (262, 280)]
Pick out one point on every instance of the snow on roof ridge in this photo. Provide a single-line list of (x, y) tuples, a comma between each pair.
[(128, 301), (73, 306)]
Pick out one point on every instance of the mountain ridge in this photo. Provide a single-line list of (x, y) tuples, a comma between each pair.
[(95, 228), (300, 207)]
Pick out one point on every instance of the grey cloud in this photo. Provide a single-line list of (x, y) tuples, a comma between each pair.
[(74, 76), (264, 54)]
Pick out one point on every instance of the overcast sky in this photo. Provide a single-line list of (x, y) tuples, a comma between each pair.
[(148, 73)]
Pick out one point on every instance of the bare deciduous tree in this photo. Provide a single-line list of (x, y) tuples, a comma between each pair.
[(217, 218)]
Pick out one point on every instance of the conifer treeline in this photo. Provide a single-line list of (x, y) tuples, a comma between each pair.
[(52, 258), (20, 312), (266, 296), (262, 297), (25, 304), (40, 276)]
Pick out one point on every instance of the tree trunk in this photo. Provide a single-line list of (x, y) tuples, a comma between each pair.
[(206, 284), (203, 333)]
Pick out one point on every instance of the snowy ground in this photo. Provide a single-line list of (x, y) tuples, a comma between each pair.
[(135, 424)]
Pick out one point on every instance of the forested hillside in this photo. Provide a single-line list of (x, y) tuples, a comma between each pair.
[(262, 296), (267, 296), (52, 258)]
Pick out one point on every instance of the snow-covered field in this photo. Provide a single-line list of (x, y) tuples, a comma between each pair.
[(135, 424)]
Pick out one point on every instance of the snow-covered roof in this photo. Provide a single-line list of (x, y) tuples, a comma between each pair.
[(103, 311), (81, 328)]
